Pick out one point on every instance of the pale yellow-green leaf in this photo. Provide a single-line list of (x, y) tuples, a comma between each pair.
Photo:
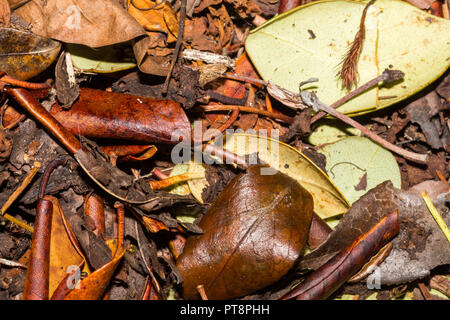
[(398, 35), (98, 60), (196, 186), (328, 200), (349, 159), (331, 130), (181, 188)]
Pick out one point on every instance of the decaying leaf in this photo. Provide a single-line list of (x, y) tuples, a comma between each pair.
[(93, 23), (356, 165), (253, 234), (397, 34), (94, 286), (419, 247), (24, 55)]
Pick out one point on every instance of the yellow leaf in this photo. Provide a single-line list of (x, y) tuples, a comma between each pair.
[(160, 19)]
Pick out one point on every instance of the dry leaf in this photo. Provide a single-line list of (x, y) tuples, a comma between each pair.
[(253, 234), (24, 55), (5, 13)]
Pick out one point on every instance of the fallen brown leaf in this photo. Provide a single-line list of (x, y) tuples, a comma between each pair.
[(253, 234)]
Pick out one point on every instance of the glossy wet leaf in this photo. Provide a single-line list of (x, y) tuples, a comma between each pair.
[(397, 34), (24, 55), (328, 200), (253, 234), (357, 164), (100, 60)]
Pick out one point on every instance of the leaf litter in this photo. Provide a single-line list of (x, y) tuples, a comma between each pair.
[(223, 230)]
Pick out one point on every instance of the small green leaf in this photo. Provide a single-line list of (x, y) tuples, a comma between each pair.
[(356, 165), (106, 59)]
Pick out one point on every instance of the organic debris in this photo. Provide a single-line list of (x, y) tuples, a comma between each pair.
[(221, 149)]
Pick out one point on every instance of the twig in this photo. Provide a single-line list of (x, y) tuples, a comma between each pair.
[(278, 116), (10, 263), (234, 115), (349, 70), (237, 77), (16, 194), (311, 100), (177, 45), (388, 76), (225, 154), (24, 84), (201, 290), (424, 290), (48, 171)]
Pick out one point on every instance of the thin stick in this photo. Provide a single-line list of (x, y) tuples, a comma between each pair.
[(201, 290), (20, 189), (24, 84), (368, 85), (10, 263), (177, 45), (437, 217), (442, 178), (424, 290), (234, 115), (277, 116), (225, 154), (237, 77)]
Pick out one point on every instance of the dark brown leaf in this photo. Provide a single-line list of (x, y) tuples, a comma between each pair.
[(254, 232)]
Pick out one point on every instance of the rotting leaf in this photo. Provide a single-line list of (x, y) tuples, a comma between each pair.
[(397, 34), (253, 234), (419, 247), (24, 55), (94, 286)]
